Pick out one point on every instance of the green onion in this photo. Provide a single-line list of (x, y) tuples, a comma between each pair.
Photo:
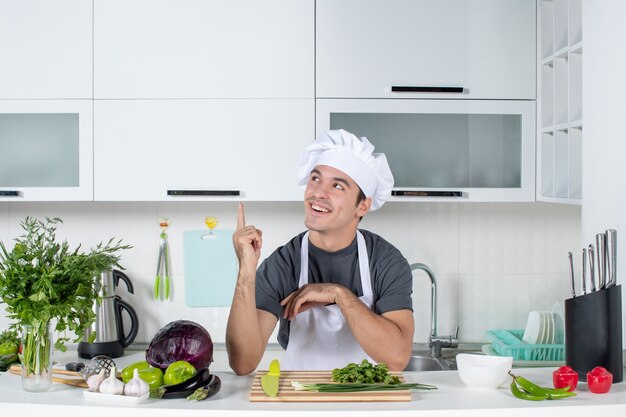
[(323, 387)]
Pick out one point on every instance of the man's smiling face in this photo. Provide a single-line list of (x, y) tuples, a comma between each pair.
[(330, 201)]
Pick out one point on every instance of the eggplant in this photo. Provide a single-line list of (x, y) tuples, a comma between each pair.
[(210, 389), (185, 388)]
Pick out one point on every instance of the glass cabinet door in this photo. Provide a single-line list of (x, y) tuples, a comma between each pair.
[(476, 150), (46, 150)]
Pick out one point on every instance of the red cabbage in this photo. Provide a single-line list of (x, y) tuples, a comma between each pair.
[(181, 340)]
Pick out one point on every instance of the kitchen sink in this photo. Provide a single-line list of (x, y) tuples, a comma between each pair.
[(426, 362)]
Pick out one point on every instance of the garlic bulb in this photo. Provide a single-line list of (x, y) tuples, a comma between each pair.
[(94, 381), (112, 385), (136, 387)]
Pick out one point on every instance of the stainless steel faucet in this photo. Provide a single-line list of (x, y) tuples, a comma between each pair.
[(435, 342)]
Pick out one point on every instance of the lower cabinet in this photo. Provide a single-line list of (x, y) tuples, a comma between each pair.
[(195, 150)]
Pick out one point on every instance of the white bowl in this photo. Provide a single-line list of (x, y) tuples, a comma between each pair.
[(482, 371)]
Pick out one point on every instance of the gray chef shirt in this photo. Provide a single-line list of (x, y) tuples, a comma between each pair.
[(278, 275)]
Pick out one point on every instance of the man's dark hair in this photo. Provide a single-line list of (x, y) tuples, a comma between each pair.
[(360, 198)]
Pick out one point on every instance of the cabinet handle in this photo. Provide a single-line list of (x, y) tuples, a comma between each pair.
[(422, 193), (205, 193), (423, 89), (10, 193)]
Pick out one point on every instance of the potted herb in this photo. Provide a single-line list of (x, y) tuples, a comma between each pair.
[(44, 282)]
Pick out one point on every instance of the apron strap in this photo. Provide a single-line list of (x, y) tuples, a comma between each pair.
[(364, 265)]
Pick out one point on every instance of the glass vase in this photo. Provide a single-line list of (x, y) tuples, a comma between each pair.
[(36, 357)]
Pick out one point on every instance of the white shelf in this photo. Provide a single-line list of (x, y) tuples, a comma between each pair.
[(561, 165), (575, 86), (560, 108), (547, 165), (570, 201), (547, 28), (560, 91), (575, 22), (575, 142), (574, 124), (560, 23), (547, 88)]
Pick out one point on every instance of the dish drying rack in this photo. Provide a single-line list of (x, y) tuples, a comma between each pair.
[(509, 343)]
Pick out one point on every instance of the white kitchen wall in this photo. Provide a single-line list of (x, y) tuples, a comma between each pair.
[(604, 147), (494, 261)]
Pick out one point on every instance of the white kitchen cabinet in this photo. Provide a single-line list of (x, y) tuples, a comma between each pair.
[(145, 148), (445, 150), (45, 49), (46, 150), (486, 48), (203, 49), (559, 104)]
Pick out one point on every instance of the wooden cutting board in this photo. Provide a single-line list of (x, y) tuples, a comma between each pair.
[(287, 393)]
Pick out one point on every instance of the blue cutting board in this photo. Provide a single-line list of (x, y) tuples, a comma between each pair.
[(210, 268)]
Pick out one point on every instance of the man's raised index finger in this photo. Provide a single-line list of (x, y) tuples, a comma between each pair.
[(241, 217)]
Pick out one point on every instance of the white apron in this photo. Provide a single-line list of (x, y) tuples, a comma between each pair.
[(320, 338)]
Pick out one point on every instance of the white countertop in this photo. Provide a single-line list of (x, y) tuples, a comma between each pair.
[(452, 398)]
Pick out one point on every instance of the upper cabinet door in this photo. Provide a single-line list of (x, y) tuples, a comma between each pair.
[(198, 150), (485, 48), (45, 49), (46, 150), (204, 48)]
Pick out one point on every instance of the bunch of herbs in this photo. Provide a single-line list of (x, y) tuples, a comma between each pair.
[(365, 373), (42, 280)]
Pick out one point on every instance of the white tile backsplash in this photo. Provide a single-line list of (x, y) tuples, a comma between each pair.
[(494, 262)]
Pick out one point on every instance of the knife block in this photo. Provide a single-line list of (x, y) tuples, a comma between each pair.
[(593, 332)]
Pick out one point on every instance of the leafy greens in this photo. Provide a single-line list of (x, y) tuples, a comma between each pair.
[(365, 373), (42, 280)]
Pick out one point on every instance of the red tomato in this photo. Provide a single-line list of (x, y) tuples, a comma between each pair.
[(565, 376), (599, 380)]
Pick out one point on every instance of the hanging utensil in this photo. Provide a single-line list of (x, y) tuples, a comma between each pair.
[(611, 258), (601, 258), (592, 269), (163, 264), (571, 273)]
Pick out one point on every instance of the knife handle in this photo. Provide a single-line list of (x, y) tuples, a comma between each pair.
[(611, 258), (592, 269), (571, 273), (584, 274), (601, 259)]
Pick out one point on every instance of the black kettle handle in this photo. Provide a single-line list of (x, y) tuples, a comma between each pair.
[(117, 275), (124, 339)]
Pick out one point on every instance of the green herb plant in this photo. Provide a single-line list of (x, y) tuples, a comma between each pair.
[(365, 373), (42, 281)]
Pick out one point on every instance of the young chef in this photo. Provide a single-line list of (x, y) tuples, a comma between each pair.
[(342, 294)]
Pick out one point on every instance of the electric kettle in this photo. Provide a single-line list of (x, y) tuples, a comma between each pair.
[(110, 337)]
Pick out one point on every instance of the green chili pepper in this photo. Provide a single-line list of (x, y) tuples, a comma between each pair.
[(533, 392), (524, 395)]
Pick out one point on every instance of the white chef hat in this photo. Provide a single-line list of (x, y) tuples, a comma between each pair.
[(344, 151)]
